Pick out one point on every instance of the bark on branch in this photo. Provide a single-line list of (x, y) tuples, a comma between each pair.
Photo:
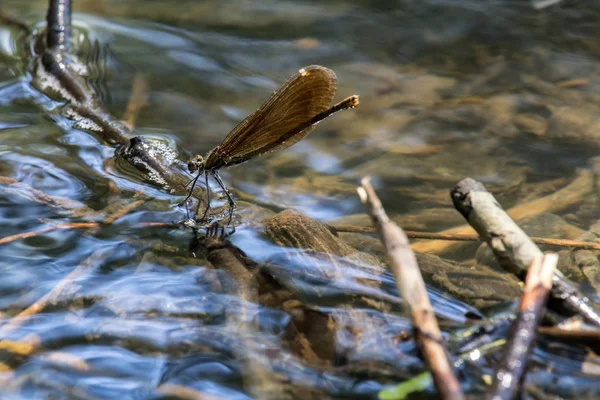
[(58, 34), (412, 288), (512, 247)]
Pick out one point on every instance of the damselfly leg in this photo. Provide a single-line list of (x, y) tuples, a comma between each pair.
[(232, 205), (207, 209)]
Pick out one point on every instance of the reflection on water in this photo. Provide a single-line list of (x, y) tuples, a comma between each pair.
[(496, 91)]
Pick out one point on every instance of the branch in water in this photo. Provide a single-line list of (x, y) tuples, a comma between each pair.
[(513, 249), (58, 35), (467, 237), (412, 288)]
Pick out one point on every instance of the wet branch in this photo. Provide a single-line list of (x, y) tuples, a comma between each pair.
[(511, 371), (80, 225), (573, 336), (412, 288), (226, 257), (512, 247), (82, 101), (58, 34), (37, 232), (72, 207)]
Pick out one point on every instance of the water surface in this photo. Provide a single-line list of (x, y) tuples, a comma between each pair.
[(497, 91)]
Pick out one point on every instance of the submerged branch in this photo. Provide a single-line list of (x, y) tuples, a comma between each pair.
[(37, 232), (72, 207), (575, 336), (81, 225), (474, 237), (412, 288), (63, 286), (566, 197), (64, 283)]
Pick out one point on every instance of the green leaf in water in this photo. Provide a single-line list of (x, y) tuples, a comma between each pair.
[(400, 391)]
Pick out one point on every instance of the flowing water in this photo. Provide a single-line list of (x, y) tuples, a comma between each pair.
[(497, 91)]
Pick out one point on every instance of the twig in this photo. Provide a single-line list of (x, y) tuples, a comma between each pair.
[(158, 225), (511, 371), (81, 225), (581, 186), (26, 191), (471, 237), (110, 219), (573, 335), (69, 225), (58, 35), (122, 211), (512, 247), (412, 288), (138, 99), (82, 269)]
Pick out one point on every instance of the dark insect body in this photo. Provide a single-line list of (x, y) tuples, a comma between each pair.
[(283, 120)]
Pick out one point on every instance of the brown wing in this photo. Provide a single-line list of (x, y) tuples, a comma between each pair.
[(306, 94)]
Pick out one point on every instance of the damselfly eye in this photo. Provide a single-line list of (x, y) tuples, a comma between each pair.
[(195, 163)]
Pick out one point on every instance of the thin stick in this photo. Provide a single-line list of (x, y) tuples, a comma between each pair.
[(170, 225), (412, 288), (123, 211), (82, 269), (573, 335), (70, 225), (137, 100), (80, 225), (512, 247), (35, 195), (54, 295), (471, 237), (511, 371)]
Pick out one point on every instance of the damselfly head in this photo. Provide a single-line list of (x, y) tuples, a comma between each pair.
[(196, 163)]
